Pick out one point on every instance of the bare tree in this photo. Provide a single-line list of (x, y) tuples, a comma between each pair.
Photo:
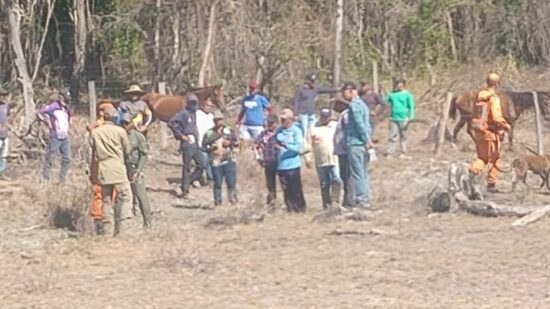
[(14, 26), (206, 56)]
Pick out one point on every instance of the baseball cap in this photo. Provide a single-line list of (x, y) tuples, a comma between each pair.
[(349, 86), (192, 98), (325, 112), (253, 84), (111, 112), (218, 114), (286, 114), (272, 118), (311, 77)]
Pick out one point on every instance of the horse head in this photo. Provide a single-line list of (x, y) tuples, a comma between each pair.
[(218, 97)]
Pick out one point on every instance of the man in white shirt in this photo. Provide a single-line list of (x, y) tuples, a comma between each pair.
[(322, 137), (205, 122)]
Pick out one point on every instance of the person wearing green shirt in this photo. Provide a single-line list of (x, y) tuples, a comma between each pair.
[(402, 107), (135, 163)]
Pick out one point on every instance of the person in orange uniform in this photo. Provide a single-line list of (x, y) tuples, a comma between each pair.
[(489, 126), (97, 203)]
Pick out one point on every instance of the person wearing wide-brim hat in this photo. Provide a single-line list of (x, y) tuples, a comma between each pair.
[(220, 142), (138, 110), (4, 140)]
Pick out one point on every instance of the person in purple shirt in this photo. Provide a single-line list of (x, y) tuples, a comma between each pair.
[(304, 101), (57, 116), (4, 141)]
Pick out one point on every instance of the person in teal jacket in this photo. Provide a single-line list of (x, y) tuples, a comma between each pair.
[(402, 107)]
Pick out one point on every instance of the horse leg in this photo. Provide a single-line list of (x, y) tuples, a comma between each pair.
[(470, 130), (457, 128)]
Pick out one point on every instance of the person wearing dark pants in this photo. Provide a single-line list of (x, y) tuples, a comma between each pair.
[(57, 116), (219, 142), (184, 128), (289, 138), (266, 155), (291, 183), (340, 149)]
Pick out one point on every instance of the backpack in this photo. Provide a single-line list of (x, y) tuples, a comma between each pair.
[(480, 112)]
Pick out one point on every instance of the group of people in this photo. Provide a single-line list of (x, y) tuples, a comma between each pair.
[(209, 146)]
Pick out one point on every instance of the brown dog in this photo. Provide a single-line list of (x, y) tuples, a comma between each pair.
[(537, 164)]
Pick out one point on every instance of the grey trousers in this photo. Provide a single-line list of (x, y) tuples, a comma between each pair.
[(398, 132)]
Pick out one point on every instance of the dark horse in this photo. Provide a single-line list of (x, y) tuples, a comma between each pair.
[(165, 107), (513, 105)]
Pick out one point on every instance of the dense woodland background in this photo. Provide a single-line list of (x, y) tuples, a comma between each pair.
[(53, 43)]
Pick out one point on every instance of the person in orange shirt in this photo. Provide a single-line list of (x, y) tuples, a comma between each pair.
[(489, 126), (97, 203)]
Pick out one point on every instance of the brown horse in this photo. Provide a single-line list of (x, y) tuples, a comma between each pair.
[(164, 107), (513, 105)]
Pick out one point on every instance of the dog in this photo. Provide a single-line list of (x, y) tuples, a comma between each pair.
[(539, 165)]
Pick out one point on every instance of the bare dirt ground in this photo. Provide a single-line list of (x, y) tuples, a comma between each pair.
[(404, 257)]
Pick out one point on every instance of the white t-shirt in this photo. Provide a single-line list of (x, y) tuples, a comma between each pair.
[(205, 122), (323, 144)]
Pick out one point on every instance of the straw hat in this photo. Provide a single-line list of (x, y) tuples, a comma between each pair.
[(134, 89)]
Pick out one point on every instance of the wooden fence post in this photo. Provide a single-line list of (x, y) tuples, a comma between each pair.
[(375, 84), (93, 100), (163, 126), (442, 125), (540, 145)]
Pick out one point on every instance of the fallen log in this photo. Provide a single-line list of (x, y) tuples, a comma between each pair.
[(533, 216)]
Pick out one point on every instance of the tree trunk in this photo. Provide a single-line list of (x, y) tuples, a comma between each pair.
[(80, 39), (14, 27), (158, 65), (207, 50), (51, 5), (451, 35), (338, 42)]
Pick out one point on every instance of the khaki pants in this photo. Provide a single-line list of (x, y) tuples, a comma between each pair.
[(123, 202)]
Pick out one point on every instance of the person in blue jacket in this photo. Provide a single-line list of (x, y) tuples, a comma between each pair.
[(289, 142)]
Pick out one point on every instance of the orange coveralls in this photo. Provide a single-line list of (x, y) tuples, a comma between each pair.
[(488, 142), (97, 202)]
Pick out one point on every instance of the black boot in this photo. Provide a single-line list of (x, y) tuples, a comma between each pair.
[(325, 196), (336, 189)]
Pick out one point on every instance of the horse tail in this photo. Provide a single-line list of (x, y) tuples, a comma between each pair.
[(452, 110)]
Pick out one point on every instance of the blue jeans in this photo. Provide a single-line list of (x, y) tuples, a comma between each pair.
[(207, 166), (358, 160), (64, 147), (229, 171), (328, 175), (306, 121)]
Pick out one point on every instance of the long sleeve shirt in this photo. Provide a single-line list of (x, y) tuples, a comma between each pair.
[(111, 146), (402, 105), (495, 117), (184, 123), (138, 150), (304, 98), (292, 141), (358, 131)]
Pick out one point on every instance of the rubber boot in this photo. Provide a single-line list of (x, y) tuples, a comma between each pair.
[(99, 227), (325, 196), (335, 194)]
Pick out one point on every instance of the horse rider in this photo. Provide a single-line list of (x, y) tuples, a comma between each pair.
[(489, 126), (139, 110)]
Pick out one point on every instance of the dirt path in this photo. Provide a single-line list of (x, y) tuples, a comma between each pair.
[(402, 258)]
